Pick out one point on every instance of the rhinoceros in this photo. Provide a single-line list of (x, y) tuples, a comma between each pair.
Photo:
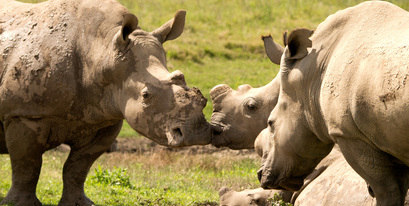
[(333, 181), (71, 71), (345, 85)]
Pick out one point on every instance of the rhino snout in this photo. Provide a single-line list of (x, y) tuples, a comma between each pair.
[(194, 131), (267, 181), (273, 180), (218, 135)]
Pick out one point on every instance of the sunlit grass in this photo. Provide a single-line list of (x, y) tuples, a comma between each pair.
[(164, 178)]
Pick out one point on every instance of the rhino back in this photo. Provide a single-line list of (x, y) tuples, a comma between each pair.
[(49, 64), (364, 51)]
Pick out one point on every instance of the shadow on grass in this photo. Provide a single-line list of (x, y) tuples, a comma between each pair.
[(2, 197)]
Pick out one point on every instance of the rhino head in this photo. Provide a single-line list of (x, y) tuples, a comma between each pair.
[(155, 103), (293, 148), (239, 115)]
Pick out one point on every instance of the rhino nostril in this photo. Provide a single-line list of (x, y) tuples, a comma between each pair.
[(270, 123), (177, 132), (216, 132)]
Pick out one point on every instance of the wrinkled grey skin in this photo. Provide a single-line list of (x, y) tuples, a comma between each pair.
[(332, 182), (345, 85), (239, 115), (71, 72)]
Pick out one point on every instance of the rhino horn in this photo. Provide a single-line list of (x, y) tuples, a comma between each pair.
[(218, 90)]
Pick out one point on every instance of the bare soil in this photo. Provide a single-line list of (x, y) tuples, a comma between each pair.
[(147, 146)]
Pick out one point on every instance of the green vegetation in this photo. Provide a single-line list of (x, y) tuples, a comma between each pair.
[(163, 178), (277, 201), (221, 44)]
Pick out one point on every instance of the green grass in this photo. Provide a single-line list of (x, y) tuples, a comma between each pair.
[(221, 44), (164, 178)]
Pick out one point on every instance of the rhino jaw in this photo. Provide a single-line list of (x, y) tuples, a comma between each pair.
[(269, 180)]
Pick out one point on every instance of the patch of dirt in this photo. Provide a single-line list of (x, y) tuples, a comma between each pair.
[(147, 146)]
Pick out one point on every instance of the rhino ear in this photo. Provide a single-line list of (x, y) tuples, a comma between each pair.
[(298, 41), (171, 29), (274, 51), (129, 24)]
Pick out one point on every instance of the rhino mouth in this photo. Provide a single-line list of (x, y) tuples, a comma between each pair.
[(218, 139), (291, 184), (217, 129)]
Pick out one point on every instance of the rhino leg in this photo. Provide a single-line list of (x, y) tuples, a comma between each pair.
[(79, 162), (387, 179), (23, 138)]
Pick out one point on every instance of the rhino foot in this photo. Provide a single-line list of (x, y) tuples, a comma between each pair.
[(81, 201), (20, 200)]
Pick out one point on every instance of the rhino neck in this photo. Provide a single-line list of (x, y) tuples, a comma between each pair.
[(97, 82), (271, 92)]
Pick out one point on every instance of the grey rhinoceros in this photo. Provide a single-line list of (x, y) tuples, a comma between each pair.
[(71, 71), (345, 85), (333, 181)]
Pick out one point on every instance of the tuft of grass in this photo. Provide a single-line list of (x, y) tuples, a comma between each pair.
[(116, 177)]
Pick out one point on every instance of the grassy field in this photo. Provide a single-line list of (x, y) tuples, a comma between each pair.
[(221, 44)]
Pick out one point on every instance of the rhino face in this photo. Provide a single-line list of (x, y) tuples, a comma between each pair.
[(156, 103), (282, 165), (295, 149), (239, 115)]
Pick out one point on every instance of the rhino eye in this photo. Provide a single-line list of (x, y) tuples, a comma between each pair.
[(145, 94), (251, 105)]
